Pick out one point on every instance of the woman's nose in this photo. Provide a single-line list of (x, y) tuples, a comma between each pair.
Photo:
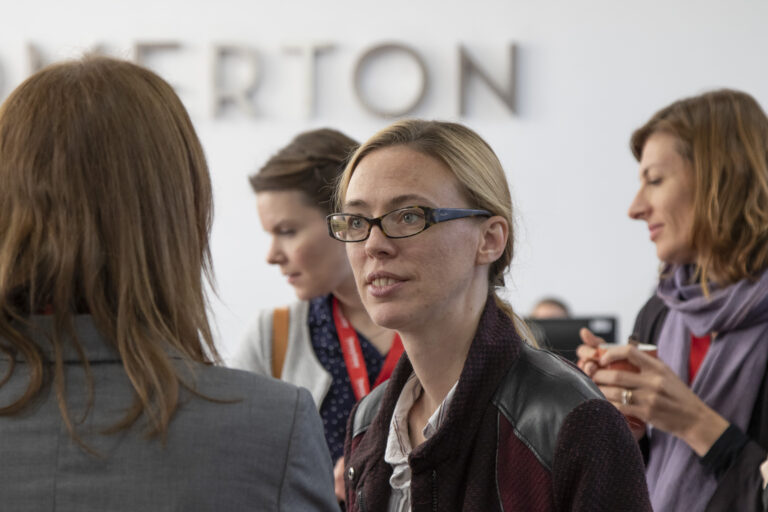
[(378, 245), (638, 209), (275, 255)]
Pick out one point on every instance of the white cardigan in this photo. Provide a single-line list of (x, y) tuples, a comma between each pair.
[(301, 366)]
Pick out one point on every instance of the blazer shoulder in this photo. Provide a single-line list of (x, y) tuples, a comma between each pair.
[(230, 384), (537, 394)]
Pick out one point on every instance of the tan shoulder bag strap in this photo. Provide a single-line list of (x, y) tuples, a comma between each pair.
[(280, 321)]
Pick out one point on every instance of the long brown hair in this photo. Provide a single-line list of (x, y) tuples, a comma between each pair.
[(105, 209), (724, 135), (310, 163)]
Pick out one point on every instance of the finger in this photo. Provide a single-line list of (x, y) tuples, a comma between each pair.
[(585, 352), (338, 479), (589, 338), (612, 394), (764, 470), (615, 394), (589, 367), (338, 468), (619, 379), (586, 362), (643, 360), (635, 405), (613, 354)]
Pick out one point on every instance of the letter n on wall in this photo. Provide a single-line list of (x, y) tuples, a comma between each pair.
[(468, 67)]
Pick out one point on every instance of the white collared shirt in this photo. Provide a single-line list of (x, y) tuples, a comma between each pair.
[(399, 442)]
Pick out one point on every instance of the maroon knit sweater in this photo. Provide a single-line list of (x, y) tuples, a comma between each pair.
[(525, 431)]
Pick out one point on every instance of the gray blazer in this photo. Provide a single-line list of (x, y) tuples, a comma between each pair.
[(264, 452)]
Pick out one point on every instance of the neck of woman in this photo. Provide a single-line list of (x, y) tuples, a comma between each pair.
[(438, 348)]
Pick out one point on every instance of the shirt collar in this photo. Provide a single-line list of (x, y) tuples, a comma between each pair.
[(398, 441)]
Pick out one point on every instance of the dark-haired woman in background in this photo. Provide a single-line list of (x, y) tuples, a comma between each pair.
[(108, 400), (704, 195), (294, 192)]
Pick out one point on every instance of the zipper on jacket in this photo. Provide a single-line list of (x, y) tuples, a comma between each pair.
[(360, 500), (434, 490)]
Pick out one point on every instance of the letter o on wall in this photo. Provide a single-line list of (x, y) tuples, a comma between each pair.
[(363, 64)]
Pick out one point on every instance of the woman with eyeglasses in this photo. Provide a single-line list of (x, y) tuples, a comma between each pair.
[(327, 343), (473, 418)]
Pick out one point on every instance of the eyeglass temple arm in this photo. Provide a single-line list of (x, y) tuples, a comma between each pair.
[(444, 214)]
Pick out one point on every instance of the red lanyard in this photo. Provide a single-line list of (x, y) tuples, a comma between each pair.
[(353, 355)]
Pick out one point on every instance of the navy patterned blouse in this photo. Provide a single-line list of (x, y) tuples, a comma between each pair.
[(340, 399)]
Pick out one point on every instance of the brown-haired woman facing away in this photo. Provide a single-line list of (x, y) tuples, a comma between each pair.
[(704, 195), (294, 192), (108, 400), (472, 418)]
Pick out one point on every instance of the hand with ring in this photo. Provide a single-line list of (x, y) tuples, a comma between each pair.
[(655, 395)]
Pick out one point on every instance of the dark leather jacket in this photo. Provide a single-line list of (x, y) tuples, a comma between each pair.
[(525, 431)]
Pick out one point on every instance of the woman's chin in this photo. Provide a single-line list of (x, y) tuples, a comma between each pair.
[(310, 292), (387, 315)]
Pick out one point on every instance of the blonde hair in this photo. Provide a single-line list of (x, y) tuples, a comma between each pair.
[(724, 135), (475, 166), (105, 209)]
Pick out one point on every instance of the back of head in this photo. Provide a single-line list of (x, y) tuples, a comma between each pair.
[(310, 163), (550, 307), (724, 135), (105, 209)]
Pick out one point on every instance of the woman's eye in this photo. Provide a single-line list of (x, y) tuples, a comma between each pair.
[(410, 217), (355, 223), (654, 181)]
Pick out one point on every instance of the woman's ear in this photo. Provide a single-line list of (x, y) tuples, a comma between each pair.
[(494, 240)]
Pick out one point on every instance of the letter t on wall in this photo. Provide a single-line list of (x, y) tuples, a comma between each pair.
[(308, 54)]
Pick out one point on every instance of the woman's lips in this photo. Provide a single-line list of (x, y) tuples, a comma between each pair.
[(292, 278), (655, 230), (383, 285), (381, 282)]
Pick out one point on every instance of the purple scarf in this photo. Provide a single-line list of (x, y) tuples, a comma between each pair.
[(728, 379)]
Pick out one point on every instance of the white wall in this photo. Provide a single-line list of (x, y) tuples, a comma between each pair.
[(588, 72)]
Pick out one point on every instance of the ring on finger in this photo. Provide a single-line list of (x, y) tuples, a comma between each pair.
[(626, 397)]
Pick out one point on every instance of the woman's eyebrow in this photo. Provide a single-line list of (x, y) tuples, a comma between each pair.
[(356, 203), (402, 200)]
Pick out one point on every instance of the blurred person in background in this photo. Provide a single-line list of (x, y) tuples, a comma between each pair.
[(550, 307), (704, 196), (108, 396), (302, 344)]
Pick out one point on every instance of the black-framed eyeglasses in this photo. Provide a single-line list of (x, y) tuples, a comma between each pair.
[(400, 223)]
